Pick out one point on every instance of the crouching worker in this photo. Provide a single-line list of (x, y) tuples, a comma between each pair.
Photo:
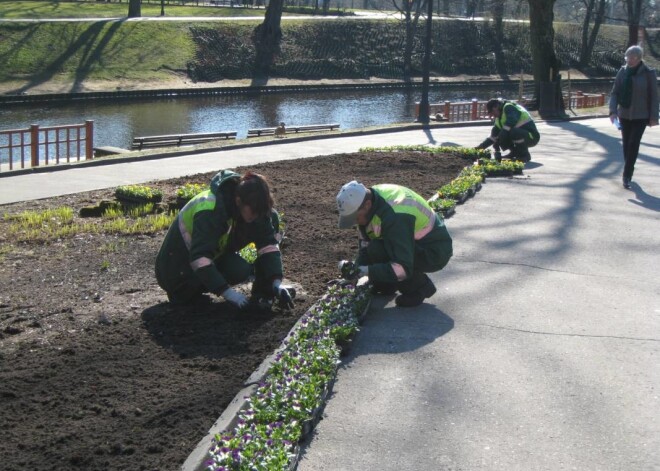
[(400, 239), (514, 130), (200, 251)]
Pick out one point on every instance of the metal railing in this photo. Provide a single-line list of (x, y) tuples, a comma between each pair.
[(476, 110), (460, 111), (35, 146)]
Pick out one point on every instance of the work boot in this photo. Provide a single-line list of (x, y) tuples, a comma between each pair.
[(416, 297), (626, 183), (519, 152)]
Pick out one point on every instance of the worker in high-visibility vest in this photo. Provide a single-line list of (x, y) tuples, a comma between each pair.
[(513, 129), (401, 239), (200, 251)]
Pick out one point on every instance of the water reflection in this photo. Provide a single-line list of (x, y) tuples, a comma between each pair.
[(116, 123)]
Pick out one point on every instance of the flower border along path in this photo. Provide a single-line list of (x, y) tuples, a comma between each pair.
[(284, 398)]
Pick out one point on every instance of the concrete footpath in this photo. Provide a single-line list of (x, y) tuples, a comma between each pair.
[(541, 348)]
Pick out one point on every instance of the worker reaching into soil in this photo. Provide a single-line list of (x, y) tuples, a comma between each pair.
[(400, 240), (514, 130), (200, 251)]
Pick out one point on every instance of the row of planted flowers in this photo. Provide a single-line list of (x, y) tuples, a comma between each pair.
[(289, 401), (287, 404), (469, 180)]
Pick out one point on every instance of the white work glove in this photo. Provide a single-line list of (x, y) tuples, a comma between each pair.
[(285, 294), (237, 299)]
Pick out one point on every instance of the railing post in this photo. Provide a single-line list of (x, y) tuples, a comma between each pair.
[(34, 145), (521, 87), (569, 90), (447, 110), (89, 139), (474, 109)]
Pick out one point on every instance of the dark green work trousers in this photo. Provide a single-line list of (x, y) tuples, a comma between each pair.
[(428, 259), (234, 268)]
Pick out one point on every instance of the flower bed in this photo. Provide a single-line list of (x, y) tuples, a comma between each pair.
[(470, 179), (289, 401), (138, 194)]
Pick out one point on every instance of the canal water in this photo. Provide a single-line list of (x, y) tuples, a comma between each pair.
[(117, 123)]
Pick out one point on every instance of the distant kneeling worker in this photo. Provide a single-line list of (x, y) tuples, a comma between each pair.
[(200, 251), (400, 239), (514, 130)]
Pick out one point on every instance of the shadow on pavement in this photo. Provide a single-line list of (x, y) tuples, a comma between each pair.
[(390, 329), (644, 199)]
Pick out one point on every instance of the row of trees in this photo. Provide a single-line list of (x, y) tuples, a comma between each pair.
[(545, 65)]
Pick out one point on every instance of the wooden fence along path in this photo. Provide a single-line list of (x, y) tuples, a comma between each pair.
[(34, 146), (476, 110)]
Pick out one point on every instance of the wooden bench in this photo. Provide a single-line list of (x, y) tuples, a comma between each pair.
[(169, 140), (293, 129)]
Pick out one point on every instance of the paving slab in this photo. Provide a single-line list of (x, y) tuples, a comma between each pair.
[(540, 350)]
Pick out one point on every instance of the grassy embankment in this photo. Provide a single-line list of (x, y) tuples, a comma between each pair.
[(57, 9), (150, 51)]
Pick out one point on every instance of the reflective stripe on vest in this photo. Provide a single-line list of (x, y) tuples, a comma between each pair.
[(204, 201), (403, 201), (522, 120)]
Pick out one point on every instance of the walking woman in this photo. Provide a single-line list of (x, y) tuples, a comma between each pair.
[(634, 103)]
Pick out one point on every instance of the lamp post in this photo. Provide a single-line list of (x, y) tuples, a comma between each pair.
[(424, 116)]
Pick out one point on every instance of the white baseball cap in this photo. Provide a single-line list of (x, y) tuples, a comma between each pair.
[(349, 200)]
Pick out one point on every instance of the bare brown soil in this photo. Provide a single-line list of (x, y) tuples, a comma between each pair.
[(98, 372)]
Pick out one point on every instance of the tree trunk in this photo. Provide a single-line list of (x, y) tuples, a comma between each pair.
[(411, 11), (584, 36), (634, 11), (498, 17), (267, 37), (545, 64), (134, 9), (407, 53), (589, 38)]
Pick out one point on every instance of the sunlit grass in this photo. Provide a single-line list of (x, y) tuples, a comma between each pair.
[(112, 50), (4, 250), (59, 223), (57, 9)]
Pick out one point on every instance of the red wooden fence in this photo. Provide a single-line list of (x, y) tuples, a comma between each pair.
[(34, 146)]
